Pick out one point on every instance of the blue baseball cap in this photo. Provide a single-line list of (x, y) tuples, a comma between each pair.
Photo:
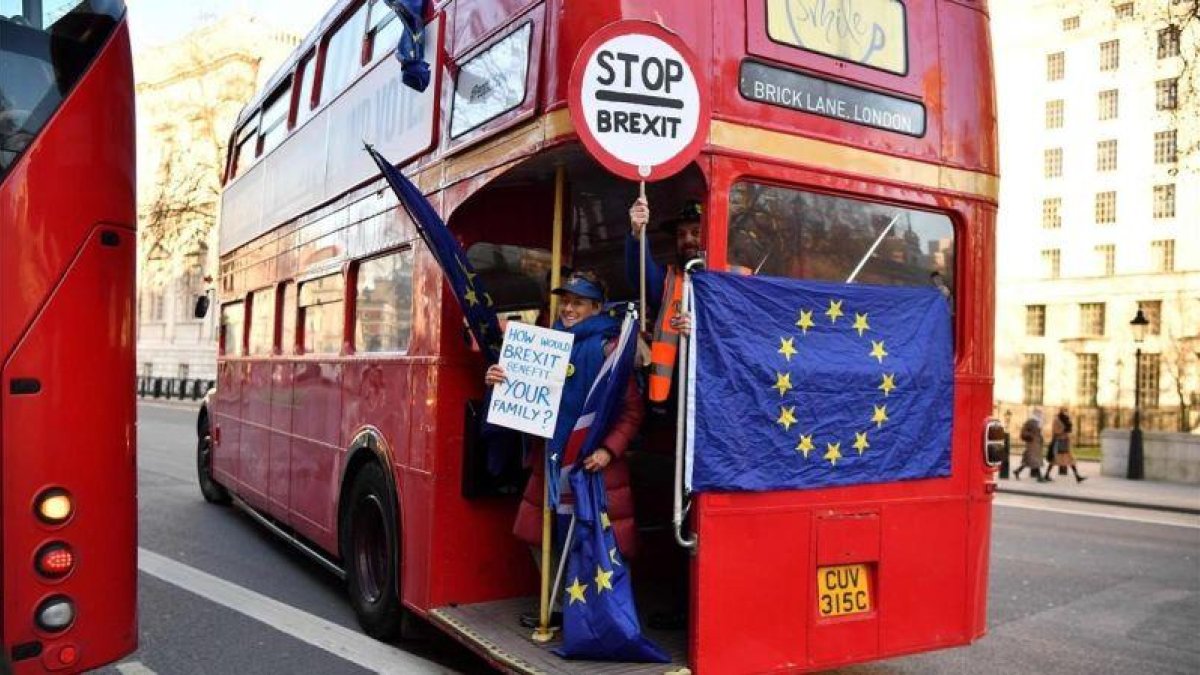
[(581, 287)]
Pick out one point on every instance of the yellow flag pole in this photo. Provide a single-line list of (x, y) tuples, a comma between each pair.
[(543, 633), (642, 254)]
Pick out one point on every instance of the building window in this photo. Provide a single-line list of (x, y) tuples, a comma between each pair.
[(1164, 201), (1056, 66), (1053, 162), (1033, 375), (1054, 114), (1071, 22), (1052, 263), (1166, 94), (1147, 385), (147, 369), (322, 314), (1035, 320), (1108, 258), (1152, 310), (1124, 10), (1166, 147), (1107, 104), (1106, 155), (184, 370), (1052, 213), (1087, 378), (1110, 54), (383, 305), (1106, 207), (1091, 319), (1163, 254), (1168, 42), (262, 323), (154, 306)]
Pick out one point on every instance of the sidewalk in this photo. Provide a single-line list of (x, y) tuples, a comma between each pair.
[(1099, 489)]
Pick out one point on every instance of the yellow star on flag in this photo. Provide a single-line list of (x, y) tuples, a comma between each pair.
[(787, 417), (787, 348), (612, 555), (805, 445), (487, 297), (889, 383), (783, 382), (576, 590), (860, 323), (472, 299), (470, 275), (805, 321), (603, 580), (880, 415), (604, 521), (877, 350), (834, 311), (860, 442), (833, 452)]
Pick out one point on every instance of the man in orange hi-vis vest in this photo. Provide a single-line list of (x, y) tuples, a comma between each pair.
[(664, 287)]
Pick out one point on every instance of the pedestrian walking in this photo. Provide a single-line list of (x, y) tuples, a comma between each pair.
[(1031, 434), (1060, 434)]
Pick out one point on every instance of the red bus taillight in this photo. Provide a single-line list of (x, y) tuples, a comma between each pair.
[(54, 506), (994, 437), (55, 560), (55, 614)]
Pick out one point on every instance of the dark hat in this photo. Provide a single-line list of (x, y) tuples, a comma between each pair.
[(581, 286), (692, 212)]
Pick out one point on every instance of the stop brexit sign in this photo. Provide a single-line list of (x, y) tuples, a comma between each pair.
[(636, 102)]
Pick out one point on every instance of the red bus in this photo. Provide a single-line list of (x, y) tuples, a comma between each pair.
[(348, 402), (68, 548)]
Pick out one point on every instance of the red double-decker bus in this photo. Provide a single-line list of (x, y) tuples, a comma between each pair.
[(68, 525), (347, 410)]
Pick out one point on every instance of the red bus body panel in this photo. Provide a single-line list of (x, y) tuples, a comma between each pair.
[(753, 577), (67, 268)]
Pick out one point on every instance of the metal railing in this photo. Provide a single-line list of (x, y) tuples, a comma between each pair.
[(172, 388)]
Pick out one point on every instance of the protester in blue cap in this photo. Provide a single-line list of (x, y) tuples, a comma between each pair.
[(581, 299)]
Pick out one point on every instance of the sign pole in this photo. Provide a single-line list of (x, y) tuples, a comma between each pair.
[(543, 632), (644, 309)]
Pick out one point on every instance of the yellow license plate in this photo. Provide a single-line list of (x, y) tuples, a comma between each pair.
[(843, 589)]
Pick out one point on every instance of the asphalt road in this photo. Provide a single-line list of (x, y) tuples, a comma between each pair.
[(1075, 588)]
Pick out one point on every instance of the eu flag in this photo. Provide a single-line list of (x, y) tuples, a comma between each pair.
[(411, 48), (600, 620), (468, 289), (804, 384)]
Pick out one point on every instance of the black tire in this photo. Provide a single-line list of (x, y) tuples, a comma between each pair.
[(212, 491), (370, 554)]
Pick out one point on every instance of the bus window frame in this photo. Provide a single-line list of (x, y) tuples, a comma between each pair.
[(248, 130), (302, 110), (351, 333), (281, 294), (759, 44), (344, 274), (525, 110), (374, 27), (273, 349), (222, 341), (319, 93), (276, 94), (957, 224)]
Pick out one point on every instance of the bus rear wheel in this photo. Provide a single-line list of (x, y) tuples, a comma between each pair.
[(369, 553), (212, 491)]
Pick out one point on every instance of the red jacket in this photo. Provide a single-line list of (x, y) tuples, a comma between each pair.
[(528, 527)]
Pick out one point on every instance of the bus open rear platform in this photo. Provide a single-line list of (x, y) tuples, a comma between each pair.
[(491, 629)]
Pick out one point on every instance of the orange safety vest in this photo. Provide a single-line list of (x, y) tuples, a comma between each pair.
[(664, 349)]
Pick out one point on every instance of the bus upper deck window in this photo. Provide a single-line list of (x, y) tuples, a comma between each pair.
[(806, 235), (386, 29), (343, 53), (274, 117), (304, 103)]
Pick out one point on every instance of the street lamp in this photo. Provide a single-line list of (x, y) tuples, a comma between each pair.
[(1135, 471)]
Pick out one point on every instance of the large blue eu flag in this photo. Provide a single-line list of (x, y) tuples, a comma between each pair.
[(476, 304), (803, 384), (600, 620)]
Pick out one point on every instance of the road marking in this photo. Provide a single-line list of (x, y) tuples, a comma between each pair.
[(134, 668), (342, 642), (1174, 520)]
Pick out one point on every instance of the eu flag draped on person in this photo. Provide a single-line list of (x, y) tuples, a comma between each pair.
[(411, 48), (804, 384), (468, 289), (600, 620)]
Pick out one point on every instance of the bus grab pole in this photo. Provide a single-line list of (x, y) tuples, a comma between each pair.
[(543, 633), (681, 412)]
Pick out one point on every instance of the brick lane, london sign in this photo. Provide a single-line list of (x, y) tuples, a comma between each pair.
[(636, 101), (797, 91)]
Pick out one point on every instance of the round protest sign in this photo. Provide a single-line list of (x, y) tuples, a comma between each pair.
[(636, 102)]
